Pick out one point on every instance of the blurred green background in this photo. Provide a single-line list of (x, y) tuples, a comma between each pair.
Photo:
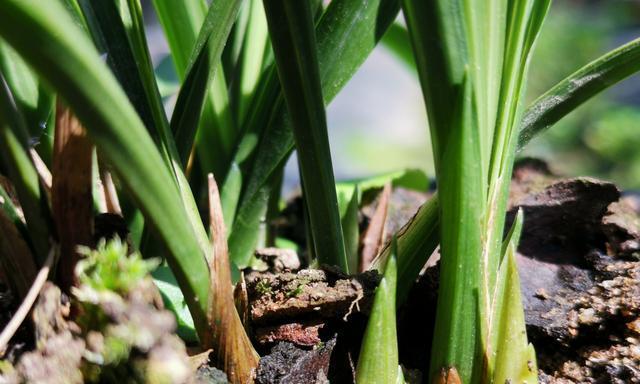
[(602, 138)]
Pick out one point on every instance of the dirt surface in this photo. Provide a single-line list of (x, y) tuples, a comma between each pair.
[(304, 333), (288, 364), (579, 264), (113, 337), (309, 293), (312, 320), (580, 278)]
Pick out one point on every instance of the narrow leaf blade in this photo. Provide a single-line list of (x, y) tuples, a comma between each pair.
[(293, 37), (346, 34), (578, 88), (378, 361), (200, 71), (14, 150)]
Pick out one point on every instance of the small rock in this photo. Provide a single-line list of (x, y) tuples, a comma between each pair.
[(541, 293), (279, 259), (287, 296)]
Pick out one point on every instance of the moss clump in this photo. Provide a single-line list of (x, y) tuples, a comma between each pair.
[(263, 288), (109, 268), (120, 335)]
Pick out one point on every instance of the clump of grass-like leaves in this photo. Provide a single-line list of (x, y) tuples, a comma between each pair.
[(254, 78)]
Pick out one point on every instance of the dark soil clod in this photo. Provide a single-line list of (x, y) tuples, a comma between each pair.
[(580, 278), (288, 364), (580, 281)]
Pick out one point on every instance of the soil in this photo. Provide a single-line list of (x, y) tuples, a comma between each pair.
[(579, 265)]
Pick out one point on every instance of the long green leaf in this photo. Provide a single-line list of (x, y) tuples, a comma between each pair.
[(293, 38), (201, 68), (41, 32), (477, 53), (233, 49), (252, 57), (442, 55), (378, 360), (134, 23), (14, 149), (134, 73), (351, 229), (512, 359), (120, 31), (32, 99), (181, 22), (184, 122), (460, 184), (578, 88), (346, 34), (556, 103), (524, 20), (437, 32)]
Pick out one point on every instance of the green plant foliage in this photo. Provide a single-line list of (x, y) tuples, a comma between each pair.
[(109, 267), (39, 32), (200, 70), (426, 219), (14, 152), (181, 22), (130, 63), (346, 34), (579, 87), (292, 34), (515, 358), (252, 58), (472, 60), (378, 360), (351, 229), (173, 300), (252, 81)]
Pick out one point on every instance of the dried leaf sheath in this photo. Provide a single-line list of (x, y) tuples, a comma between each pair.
[(373, 238), (71, 191), (16, 260), (232, 350)]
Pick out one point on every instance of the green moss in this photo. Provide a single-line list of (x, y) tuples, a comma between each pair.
[(296, 291), (110, 268), (264, 288)]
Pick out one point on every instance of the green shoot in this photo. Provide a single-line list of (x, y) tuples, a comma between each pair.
[(293, 38)]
